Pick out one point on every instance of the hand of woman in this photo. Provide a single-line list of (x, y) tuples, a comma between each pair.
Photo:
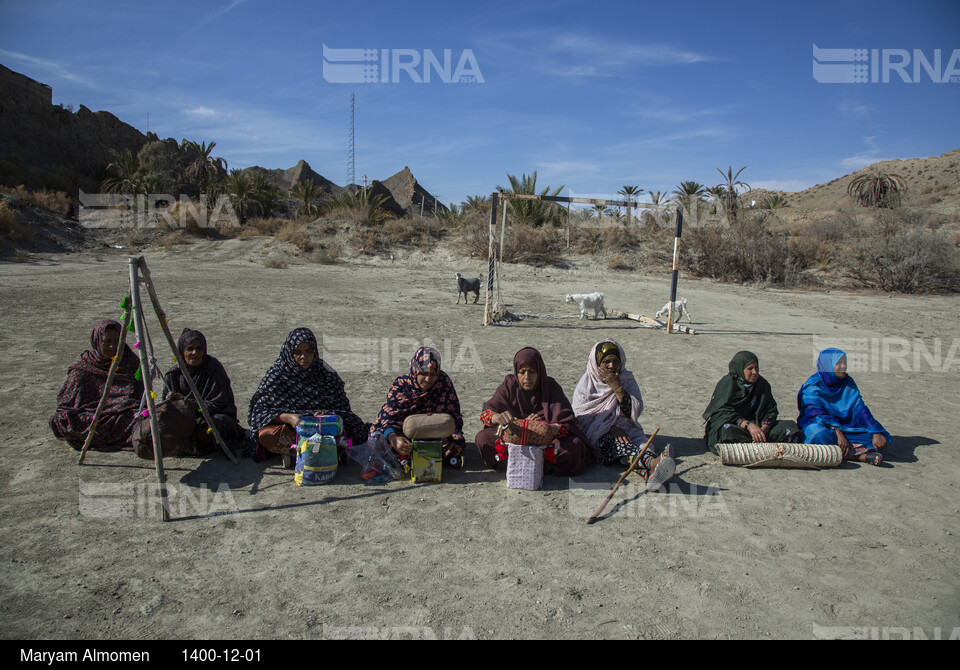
[(879, 441), (504, 418), (842, 441), (756, 432), (620, 436), (611, 379), (400, 444)]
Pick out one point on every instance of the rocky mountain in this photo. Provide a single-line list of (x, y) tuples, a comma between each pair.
[(43, 145), (301, 172)]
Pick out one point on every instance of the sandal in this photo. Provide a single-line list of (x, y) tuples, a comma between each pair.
[(664, 468)]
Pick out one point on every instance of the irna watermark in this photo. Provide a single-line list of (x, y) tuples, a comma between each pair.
[(896, 354), (383, 66), (112, 500), (150, 210), (883, 66), (393, 354), (585, 496), (396, 633), (884, 633)]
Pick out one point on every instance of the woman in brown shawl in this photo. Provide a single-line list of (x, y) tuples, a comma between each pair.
[(81, 393), (530, 392), (214, 385)]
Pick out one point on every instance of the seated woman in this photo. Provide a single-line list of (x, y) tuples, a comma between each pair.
[(214, 385), (298, 383), (833, 412), (426, 390), (608, 404), (529, 392), (81, 393), (742, 408)]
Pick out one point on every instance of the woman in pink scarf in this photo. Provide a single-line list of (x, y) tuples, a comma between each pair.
[(608, 404)]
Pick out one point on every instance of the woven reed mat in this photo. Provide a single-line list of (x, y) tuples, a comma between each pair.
[(780, 455)]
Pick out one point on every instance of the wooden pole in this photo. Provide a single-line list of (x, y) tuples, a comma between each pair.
[(487, 316), (633, 464), (676, 272), (161, 316), (106, 389), (140, 327)]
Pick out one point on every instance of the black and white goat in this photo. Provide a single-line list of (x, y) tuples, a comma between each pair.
[(465, 286)]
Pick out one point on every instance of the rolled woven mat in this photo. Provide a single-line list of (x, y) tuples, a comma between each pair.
[(780, 455)]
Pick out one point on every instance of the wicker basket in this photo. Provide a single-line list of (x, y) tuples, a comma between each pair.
[(524, 467), (780, 455)]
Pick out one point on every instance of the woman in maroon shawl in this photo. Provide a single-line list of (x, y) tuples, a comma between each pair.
[(214, 385), (81, 393), (530, 392)]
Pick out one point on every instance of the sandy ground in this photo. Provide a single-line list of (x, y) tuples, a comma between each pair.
[(724, 552)]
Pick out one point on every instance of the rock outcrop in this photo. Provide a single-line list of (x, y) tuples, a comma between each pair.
[(43, 145)]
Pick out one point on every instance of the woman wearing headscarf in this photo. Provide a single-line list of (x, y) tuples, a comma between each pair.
[(608, 404), (526, 393), (298, 383), (215, 389), (425, 390), (81, 393), (832, 411), (742, 408)]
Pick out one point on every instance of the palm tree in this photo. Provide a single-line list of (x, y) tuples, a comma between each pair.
[(877, 189), (629, 192), (688, 195), (266, 196), (732, 186), (240, 190), (304, 192), (202, 164), (532, 212), (125, 180), (601, 211), (774, 201), (476, 203), (366, 207)]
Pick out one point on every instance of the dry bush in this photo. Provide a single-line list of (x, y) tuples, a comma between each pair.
[(295, 232), (10, 226), (275, 263), (617, 262), (327, 256), (532, 245), (56, 200), (896, 255), (831, 229), (746, 252)]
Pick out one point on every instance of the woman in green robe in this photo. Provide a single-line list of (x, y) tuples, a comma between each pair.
[(742, 408)]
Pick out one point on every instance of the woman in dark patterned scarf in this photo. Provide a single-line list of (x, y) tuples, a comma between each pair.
[(299, 383), (214, 385), (81, 393), (742, 408), (425, 390)]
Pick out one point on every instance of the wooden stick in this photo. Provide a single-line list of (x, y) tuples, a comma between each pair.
[(151, 290), (633, 464), (106, 389), (140, 327)]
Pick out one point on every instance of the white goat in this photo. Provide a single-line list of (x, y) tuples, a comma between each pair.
[(587, 301), (465, 286), (681, 309)]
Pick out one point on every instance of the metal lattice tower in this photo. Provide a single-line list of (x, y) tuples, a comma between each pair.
[(352, 158)]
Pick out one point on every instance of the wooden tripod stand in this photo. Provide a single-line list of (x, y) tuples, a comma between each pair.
[(133, 309)]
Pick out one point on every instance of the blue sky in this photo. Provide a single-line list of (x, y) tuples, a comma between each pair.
[(592, 96)]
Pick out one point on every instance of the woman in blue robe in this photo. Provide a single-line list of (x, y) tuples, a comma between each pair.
[(832, 411)]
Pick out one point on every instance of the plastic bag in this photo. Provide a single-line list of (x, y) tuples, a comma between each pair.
[(376, 459), (316, 460)]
